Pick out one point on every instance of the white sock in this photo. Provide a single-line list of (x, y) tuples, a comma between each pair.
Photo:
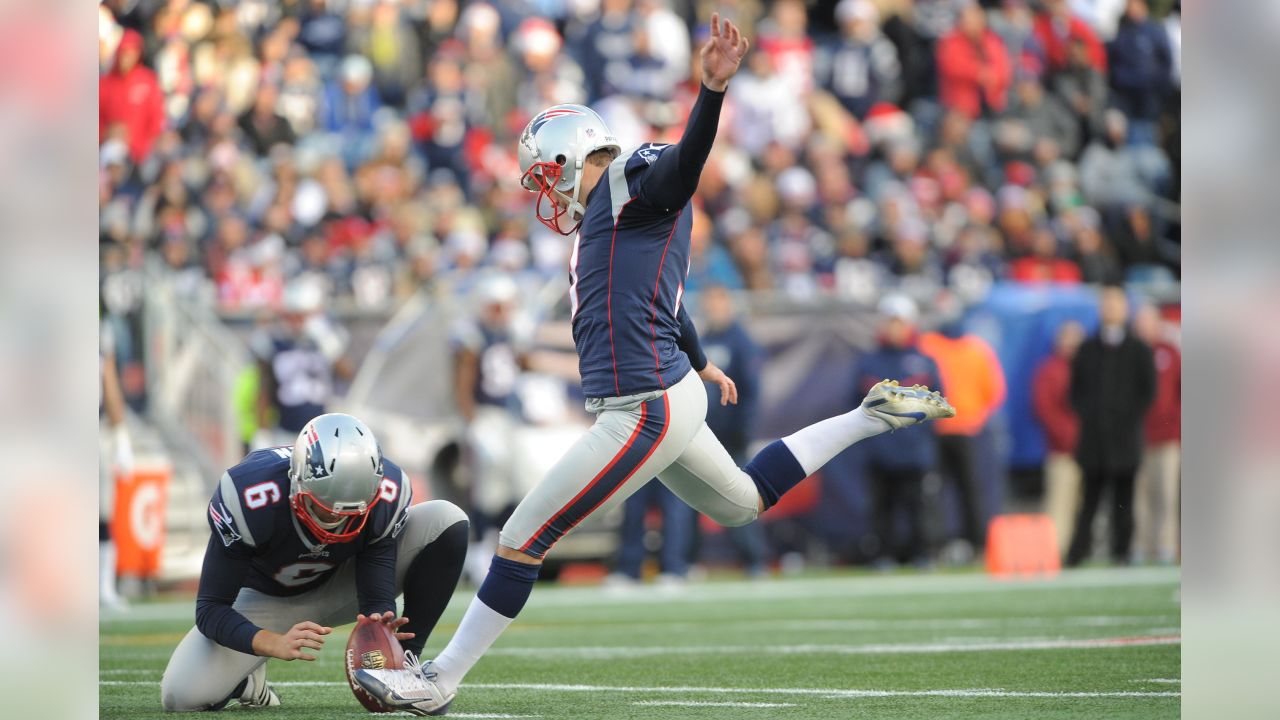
[(479, 628), (815, 445)]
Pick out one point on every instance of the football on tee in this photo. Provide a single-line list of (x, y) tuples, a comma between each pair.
[(372, 646)]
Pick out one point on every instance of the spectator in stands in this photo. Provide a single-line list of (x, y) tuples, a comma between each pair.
[(1034, 119), (973, 377), (350, 102), (130, 100), (1056, 26), (1082, 88), (1044, 264), (385, 36), (861, 67), (1014, 22), (728, 345), (1156, 493), (1141, 70), (1051, 402), (973, 66), (1096, 258), (1115, 175), (262, 125), (1113, 381), (898, 462)]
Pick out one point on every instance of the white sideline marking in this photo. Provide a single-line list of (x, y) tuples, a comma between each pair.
[(611, 653), (1164, 681), (768, 591), (801, 692), (497, 716), (708, 703)]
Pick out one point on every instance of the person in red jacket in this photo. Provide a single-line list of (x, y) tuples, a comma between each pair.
[(1156, 495), (1051, 401), (1056, 27), (130, 99), (974, 71), (1043, 264)]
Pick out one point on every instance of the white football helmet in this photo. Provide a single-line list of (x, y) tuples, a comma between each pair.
[(552, 149), (337, 469)]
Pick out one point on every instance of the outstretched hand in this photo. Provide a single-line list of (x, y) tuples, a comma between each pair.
[(391, 621), (716, 376), (722, 54)]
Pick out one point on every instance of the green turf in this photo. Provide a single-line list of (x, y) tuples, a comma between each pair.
[(843, 646)]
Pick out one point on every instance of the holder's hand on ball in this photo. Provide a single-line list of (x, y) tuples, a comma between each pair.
[(391, 621)]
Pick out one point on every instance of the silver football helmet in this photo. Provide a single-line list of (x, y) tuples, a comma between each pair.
[(335, 477), (552, 149)]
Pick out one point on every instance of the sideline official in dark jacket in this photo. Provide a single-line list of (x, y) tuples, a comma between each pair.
[(1112, 386)]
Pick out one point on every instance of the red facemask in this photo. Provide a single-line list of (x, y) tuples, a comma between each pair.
[(354, 519), (542, 178)]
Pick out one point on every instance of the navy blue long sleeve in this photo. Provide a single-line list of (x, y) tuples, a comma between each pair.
[(220, 582), (688, 341), (674, 176), (376, 577)]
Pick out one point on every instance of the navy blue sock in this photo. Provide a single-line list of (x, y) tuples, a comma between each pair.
[(775, 470), (507, 586)]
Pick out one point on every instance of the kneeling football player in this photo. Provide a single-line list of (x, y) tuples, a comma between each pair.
[(305, 538)]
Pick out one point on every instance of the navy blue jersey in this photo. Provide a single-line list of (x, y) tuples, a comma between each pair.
[(303, 378), (732, 349), (258, 543), (498, 353), (630, 260)]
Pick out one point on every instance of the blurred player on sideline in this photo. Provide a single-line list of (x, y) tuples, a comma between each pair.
[(728, 346), (641, 363), (303, 538), (490, 353), (119, 448), (298, 357)]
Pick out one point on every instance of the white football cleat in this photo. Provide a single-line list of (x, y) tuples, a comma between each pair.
[(901, 407), (258, 693), (413, 689)]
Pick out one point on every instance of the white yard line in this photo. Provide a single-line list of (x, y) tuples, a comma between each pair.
[(1162, 681), (617, 653), (830, 693), (708, 703), (962, 645)]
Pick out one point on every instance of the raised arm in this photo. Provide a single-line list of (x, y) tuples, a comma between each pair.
[(674, 176)]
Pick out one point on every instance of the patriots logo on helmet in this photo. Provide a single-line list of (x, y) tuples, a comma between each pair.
[(551, 114), (315, 455)]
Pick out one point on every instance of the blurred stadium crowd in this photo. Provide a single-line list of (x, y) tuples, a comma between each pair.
[(867, 144), (366, 148)]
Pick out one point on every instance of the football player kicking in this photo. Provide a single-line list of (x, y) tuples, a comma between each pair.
[(305, 538), (640, 364)]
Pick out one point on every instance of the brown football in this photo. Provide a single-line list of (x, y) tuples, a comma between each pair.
[(371, 646)]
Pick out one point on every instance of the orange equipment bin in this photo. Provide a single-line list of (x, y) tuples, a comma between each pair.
[(137, 525), (1022, 545)]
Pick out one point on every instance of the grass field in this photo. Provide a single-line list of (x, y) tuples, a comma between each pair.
[(1092, 643)]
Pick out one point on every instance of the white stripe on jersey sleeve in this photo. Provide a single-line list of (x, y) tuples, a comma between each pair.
[(402, 504), (231, 498), (618, 190)]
